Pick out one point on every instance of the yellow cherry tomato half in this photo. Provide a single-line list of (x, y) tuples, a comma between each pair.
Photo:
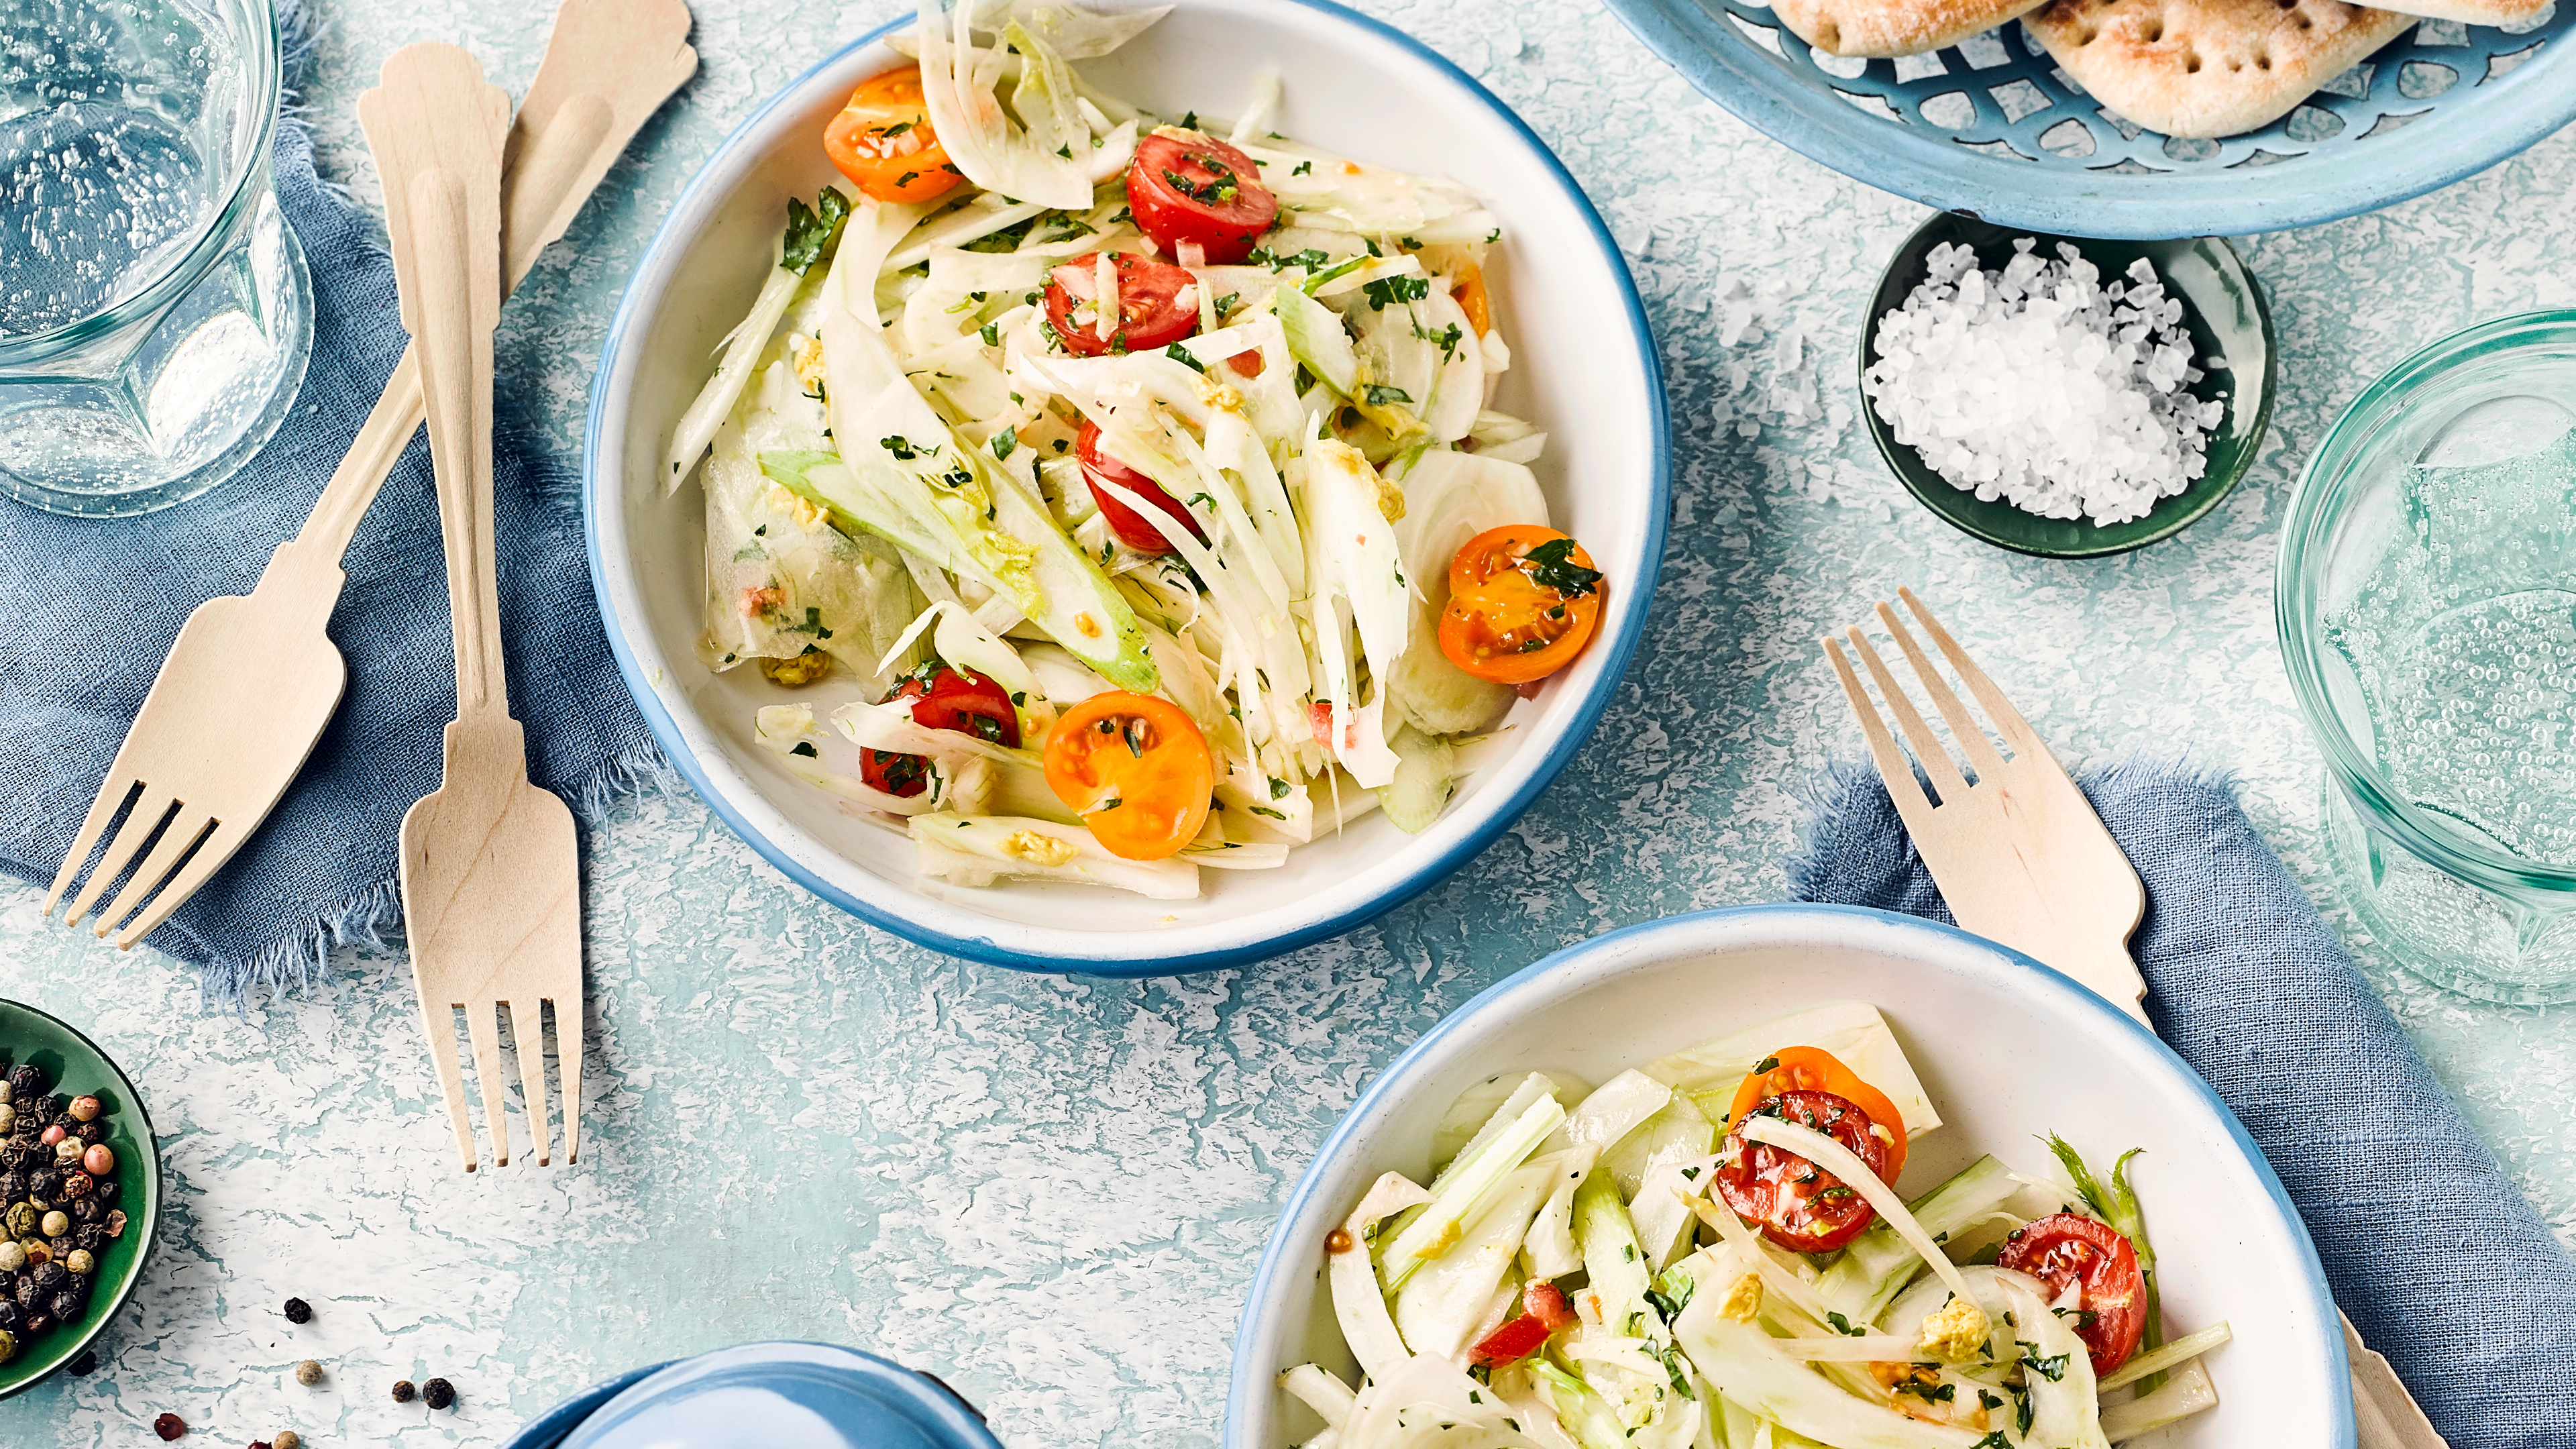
[(1523, 601), (1136, 769), (883, 142), (1814, 1069)]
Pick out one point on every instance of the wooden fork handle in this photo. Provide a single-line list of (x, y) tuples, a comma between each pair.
[(561, 146)]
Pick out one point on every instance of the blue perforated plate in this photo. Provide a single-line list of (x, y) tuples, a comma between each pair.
[(1991, 126)]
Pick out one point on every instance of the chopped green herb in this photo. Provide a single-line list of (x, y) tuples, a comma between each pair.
[(1551, 565), (1379, 395), (1003, 444), (806, 748), (811, 230)]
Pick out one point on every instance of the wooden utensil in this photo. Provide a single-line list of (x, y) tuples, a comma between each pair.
[(2021, 858), (251, 681), (2018, 854), (491, 873)]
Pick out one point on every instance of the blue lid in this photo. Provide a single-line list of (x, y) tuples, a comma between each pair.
[(785, 1396)]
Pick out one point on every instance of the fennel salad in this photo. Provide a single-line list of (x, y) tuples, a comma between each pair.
[(1121, 490), (1707, 1251)]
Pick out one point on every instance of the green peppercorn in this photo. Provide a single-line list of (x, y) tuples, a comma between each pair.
[(20, 1220), (8, 1344)]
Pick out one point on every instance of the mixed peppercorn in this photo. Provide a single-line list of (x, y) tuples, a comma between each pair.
[(57, 1205)]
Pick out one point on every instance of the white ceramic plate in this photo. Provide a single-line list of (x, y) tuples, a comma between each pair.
[(1584, 368), (2008, 1049)]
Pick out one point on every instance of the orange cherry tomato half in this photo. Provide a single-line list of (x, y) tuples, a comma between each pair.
[(883, 142), (1472, 299), (1814, 1069), (1523, 601), (1136, 769)]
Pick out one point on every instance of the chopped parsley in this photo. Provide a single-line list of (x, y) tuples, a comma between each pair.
[(1386, 290), (1379, 395), (1004, 443), (1551, 565), (811, 230)]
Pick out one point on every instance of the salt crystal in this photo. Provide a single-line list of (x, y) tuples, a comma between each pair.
[(2040, 386)]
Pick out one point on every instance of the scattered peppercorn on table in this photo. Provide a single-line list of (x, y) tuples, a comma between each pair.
[(1051, 1192)]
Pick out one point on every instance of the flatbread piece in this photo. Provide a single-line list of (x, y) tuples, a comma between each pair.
[(2208, 68), (1895, 27), (2474, 12)]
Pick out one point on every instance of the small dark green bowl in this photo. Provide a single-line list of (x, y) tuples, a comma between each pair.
[(77, 1067), (2224, 311)]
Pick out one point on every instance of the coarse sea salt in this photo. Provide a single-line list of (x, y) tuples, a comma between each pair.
[(2042, 387)]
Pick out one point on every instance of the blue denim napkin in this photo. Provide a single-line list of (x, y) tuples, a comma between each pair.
[(2440, 1262), (93, 605)]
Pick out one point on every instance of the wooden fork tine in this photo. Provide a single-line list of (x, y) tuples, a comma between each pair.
[(438, 1022), (1936, 762), (149, 808), (1971, 735), (187, 828), (528, 1034), (1902, 787), (220, 843), (111, 797), (482, 1024), (2008, 721), (568, 1066)]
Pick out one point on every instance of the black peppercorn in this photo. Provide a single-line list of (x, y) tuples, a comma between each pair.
[(50, 1109), (402, 1391), (18, 1156), (90, 1237), (83, 1366), (47, 1276), (68, 1305), (91, 1133), (298, 1311), (38, 1322), (27, 1081), (438, 1393), (105, 1192), (44, 1185), (85, 1210), (13, 1185), (11, 1320), (62, 1245), (29, 1296)]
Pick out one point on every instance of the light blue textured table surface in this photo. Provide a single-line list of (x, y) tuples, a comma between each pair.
[(1052, 1191)]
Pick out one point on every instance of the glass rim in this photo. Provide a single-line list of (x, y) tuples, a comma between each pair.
[(2319, 502), (263, 54)]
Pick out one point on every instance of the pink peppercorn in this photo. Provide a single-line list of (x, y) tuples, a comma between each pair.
[(99, 1161)]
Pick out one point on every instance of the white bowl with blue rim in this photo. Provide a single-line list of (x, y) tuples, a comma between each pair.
[(1584, 368), (765, 1396), (2008, 1050)]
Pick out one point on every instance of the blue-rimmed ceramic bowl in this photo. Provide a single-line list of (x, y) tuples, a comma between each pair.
[(1584, 368), (1993, 128), (780, 1395), (2007, 1048)]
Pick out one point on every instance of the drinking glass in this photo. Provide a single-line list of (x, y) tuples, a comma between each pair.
[(155, 314), (2426, 601)]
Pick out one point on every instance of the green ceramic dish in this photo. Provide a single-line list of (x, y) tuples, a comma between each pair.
[(2224, 311), (77, 1066)]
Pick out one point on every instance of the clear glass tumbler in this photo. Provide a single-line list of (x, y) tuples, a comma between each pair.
[(2427, 608), (155, 314)]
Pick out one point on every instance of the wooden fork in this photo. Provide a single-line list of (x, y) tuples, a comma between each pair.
[(2021, 858), (2018, 853), (252, 680), (491, 872)]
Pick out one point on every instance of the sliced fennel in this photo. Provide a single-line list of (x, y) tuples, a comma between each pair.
[(1747, 1367), (2187, 1391), (1367, 1328), (2155, 1361), (1839, 1160), (1878, 1264), (1853, 1031), (1465, 1190), (1447, 1295), (977, 850)]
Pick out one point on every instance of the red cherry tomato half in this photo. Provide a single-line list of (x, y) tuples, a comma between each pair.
[(1797, 1204), (1131, 527), (1158, 305), (2069, 1249), (948, 700), (1543, 1311), (1199, 189)]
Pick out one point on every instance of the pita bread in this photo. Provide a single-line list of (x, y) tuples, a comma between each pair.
[(2474, 12), (2208, 68), (1894, 27)]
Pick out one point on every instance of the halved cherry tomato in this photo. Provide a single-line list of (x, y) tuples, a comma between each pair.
[(883, 142), (1522, 603), (1814, 1069), (1132, 527), (1797, 1204), (1543, 1311), (1472, 299), (945, 700), (1192, 188), (1136, 769), (1157, 305), (2069, 1249)]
